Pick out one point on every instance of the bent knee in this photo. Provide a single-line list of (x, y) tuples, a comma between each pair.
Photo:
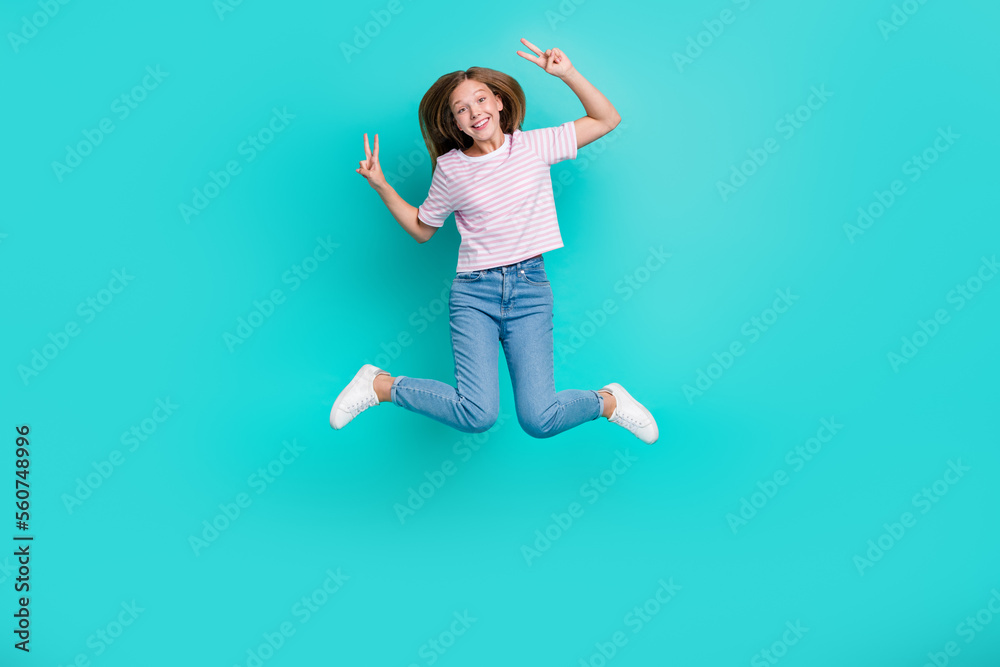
[(536, 427), (478, 421), (481, 425)]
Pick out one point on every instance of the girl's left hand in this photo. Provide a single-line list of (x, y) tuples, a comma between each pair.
[(552, 61)]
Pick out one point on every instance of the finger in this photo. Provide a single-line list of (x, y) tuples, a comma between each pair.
[(376, 147), (531, 46), (368, 152), (528, 57)]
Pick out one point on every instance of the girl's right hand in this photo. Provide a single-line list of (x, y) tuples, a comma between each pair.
[(370, 168)]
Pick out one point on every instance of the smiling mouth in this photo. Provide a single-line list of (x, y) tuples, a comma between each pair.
[(485, 123)]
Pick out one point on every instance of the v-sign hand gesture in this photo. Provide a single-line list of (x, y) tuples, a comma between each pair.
[(552, 61), (370, 167)]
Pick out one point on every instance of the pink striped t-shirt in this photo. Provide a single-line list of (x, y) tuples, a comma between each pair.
[(503, 202)]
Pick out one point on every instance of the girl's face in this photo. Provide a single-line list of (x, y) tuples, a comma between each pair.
[(473, 104)]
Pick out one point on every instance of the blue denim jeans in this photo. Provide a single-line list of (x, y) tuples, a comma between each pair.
[(512, 305)]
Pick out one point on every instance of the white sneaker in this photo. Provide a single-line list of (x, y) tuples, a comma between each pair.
[(631, 414), (357, 396)]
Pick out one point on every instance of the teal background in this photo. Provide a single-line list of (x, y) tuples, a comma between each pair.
[(651, 182)]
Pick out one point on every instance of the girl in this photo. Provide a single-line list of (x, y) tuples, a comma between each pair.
[(495, 178)]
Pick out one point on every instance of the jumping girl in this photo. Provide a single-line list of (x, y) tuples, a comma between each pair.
[(496, 180)]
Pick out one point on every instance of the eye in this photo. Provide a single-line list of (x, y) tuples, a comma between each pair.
[(481, 99)]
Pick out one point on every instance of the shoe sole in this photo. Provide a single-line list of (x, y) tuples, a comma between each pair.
[(642, 407), (340, 397)]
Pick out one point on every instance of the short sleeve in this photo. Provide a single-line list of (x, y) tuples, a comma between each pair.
[(553, 144), (437, 206)]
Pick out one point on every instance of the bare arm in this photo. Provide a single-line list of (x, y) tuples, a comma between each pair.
[(404, 213), (601, 118)]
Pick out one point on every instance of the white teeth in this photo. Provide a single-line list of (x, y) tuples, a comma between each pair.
[(481, 123)]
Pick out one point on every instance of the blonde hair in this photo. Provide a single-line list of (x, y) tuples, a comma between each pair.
[(437, 123)]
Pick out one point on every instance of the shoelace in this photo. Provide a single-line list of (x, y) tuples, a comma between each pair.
[(624, 417), (362, 404)]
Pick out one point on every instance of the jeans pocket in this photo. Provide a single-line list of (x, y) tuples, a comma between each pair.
[(534, 275), (468, 276)]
